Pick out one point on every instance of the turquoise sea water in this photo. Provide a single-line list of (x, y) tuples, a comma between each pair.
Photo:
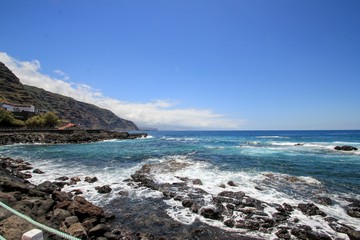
[(298, 153), (274, 166)]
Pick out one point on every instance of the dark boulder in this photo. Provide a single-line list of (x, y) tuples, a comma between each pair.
[(229, 194), (229, 223), (48, 187), (324, 201), (63, 178), (210, 212), (353, 234), (91, 179), (345, 148), (99, 230), (38, 171), (187, 203), (61, 196), (103, 189), (84, 209), (197, 182), (7, 185), (310, 209), (231, 183), (283, 233), (305, 232)]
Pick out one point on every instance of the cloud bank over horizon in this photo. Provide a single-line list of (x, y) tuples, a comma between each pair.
[(163, 114)]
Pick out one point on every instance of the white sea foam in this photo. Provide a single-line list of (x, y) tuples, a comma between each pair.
[(254, 184), (272, 137)]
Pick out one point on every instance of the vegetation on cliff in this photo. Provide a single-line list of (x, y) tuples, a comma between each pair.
[(46, 120), (7, 119)]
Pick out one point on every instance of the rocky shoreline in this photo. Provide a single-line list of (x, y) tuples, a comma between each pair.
[(130, 218), (63, 136), (47, 204), (237, 210)]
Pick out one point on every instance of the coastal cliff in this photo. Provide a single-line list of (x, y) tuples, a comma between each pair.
[(83, 114)]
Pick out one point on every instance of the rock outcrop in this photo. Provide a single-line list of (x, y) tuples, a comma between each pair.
[(345, 148), (63, 136)]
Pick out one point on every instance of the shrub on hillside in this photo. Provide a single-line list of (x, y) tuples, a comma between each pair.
[(7, 119), (48, 120)]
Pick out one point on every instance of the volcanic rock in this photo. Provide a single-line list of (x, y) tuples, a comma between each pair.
[(345, 148), (103, 189)]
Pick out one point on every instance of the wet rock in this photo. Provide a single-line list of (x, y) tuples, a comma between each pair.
[(345, 148), (103, 189), (324, 201), (7, 185), (305, 232), (60, 184), (63, 178), (124, 193), (109, 216), (196, 206), (222, 185), (338, 227), (48, 187), (77, 230), (353, 212), (226, 200), (251, 202), (61, 196), (99, 230), (288, 207), (187, 203), (229, 223), (91, 179), (211, 212), (178, 198), (38, 171), (231, 184), (75, 179), (139, 176), (23, 175), (237, 195), (247, 224), (310, 209), (84, 209), (197, 182), (283, 233), (353, 234), (280, 216), (353, 209), (76, 191)]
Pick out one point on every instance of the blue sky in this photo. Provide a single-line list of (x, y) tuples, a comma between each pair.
[(203, 64)]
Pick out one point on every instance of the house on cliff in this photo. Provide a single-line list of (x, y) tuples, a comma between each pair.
[(17, 107)]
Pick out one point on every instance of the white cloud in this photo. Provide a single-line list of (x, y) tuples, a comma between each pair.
[(62, 74), (163, 114)]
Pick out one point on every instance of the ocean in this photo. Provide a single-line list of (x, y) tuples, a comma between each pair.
[(272, 166)]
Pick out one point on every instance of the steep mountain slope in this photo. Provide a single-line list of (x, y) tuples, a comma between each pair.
[(84, 114), (11, 89)]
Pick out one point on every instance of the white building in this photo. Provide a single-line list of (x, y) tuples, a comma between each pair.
[(18, 107)]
